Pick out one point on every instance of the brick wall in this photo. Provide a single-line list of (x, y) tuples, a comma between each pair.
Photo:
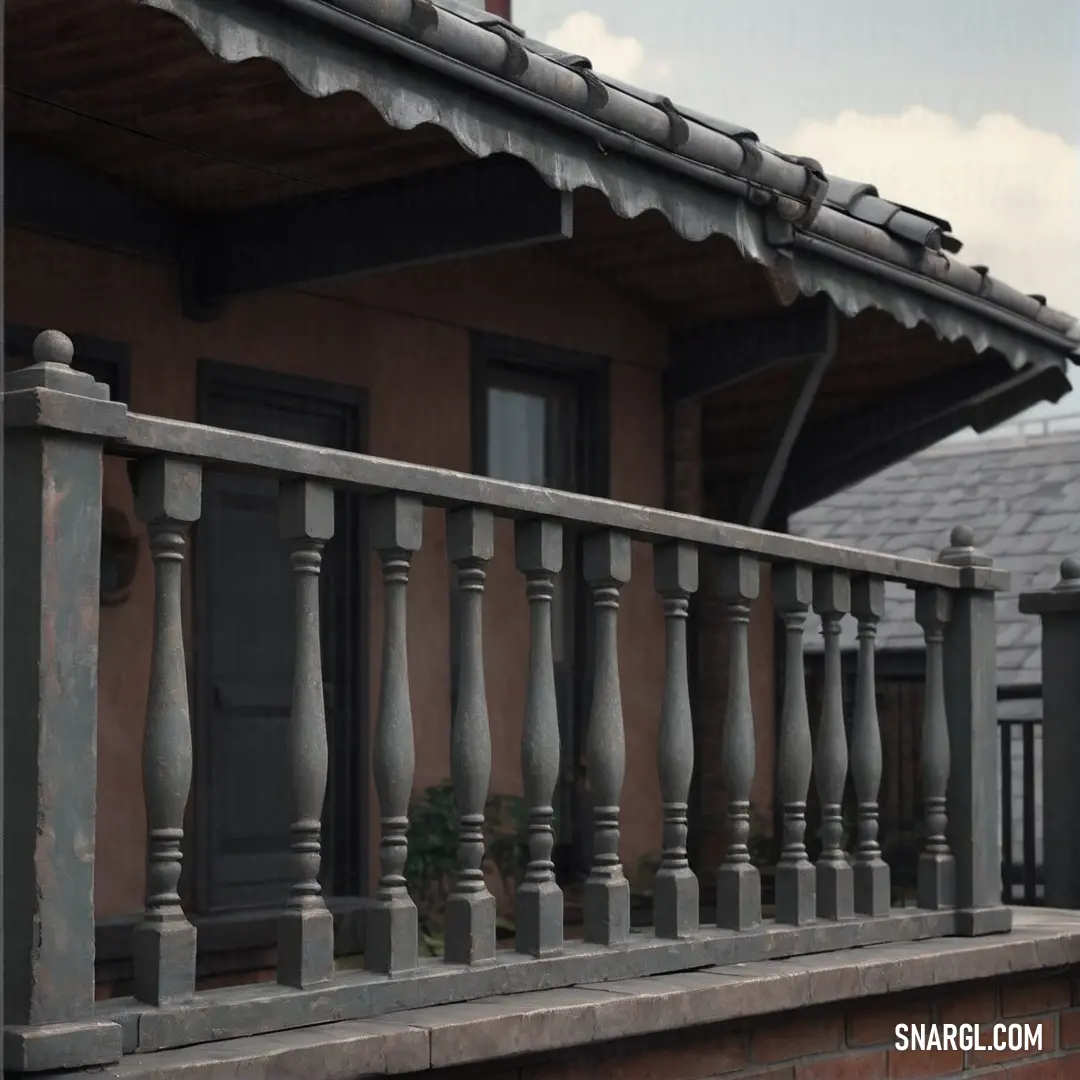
[(846, 1041)]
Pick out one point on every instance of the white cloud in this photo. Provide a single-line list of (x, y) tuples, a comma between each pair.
[(1011, 192), (587, 35)]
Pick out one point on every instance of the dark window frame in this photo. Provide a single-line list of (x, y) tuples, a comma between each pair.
[(494, 353), (501, 360)]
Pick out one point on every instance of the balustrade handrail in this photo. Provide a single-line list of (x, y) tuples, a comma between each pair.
[(240, 451)]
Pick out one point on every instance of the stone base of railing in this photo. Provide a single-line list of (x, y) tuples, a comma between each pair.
[(978, 922), (236, 1012), (826, 1015), (49, 1047)]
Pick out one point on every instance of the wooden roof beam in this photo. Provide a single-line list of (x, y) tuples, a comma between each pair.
[(480, 206), (834, 454), (711, 356), (449, 213), (47, 194), (760, 496)]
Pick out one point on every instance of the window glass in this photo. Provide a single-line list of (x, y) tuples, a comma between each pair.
[(517, 443), (530, 440)]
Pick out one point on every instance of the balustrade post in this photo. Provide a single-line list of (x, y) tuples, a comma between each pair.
[(539, 901), (796, 881), (168, 498), (970, 677), (57, 421), (390, 932), (871, 873), (1059, 609), (470, 908), (306, 927), (936, 884), (607, 565), (738, 881), (835, 880), (675, 888)]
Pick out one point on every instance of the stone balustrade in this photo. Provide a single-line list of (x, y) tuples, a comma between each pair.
[(59, 425)]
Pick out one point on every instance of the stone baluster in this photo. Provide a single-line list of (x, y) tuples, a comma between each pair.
[(539, 901), (168, 499), (306, 927), (675, 890), (607, 892), (390, 933), (936, 884), (470, 908), (738, 882), (796, 901), (835, 882), (871, 872)]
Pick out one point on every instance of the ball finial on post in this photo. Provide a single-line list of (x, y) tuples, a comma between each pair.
[(962, 537), (1070, 574), (962, 550), (53, 347)]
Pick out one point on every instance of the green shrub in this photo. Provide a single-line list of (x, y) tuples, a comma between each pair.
[(433, 843)]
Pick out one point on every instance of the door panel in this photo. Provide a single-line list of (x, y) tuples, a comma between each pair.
[(246, 639)]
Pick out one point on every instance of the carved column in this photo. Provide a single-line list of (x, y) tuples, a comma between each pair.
[(738, 883), (390, 934), (470, 908), (796, 901), (52, 567), (970, 663), (539, 902), (871, 872), (607, 892), (168, 498), (675, 889), (1059, 608), (306, 927), (835, 884), (936, 886)]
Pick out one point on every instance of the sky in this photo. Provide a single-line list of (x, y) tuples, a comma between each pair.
[(967, 109)]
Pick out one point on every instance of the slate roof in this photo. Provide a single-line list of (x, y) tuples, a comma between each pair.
[(1020, 495), (818, 214)]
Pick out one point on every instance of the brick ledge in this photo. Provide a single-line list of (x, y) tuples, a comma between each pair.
[(499, 1027)]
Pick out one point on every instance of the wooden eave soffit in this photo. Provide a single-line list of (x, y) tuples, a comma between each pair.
[(447, 213)]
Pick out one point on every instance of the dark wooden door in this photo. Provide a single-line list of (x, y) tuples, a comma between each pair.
[(245, 652)]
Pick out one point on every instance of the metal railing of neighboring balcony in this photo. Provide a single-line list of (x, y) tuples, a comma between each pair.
[(1020, 729)]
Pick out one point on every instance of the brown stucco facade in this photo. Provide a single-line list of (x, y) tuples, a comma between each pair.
[(404, 337)]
